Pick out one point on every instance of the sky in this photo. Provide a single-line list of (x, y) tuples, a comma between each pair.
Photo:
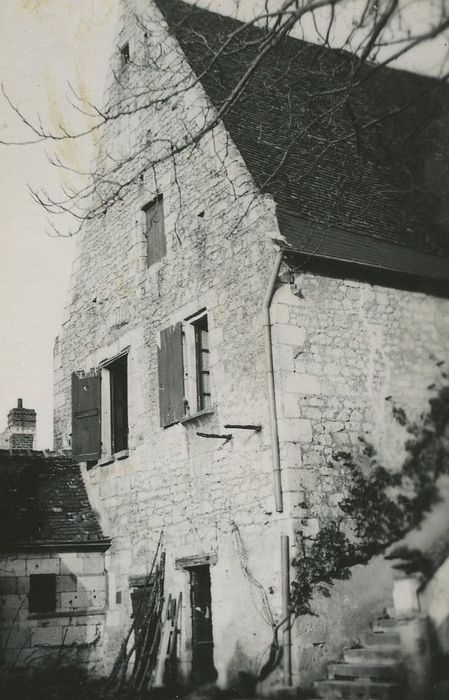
[(45, 46)]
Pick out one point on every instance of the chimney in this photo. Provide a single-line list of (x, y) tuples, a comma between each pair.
[(21, 427)]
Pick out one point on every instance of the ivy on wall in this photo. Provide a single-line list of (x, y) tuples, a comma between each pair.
[(380, 507)]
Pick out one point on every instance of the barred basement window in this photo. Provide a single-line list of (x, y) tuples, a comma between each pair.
[(42, 595), (155, 230)]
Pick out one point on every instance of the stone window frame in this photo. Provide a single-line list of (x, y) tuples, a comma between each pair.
[(177, 349), (158, 253), (197, 400), (108, 453)]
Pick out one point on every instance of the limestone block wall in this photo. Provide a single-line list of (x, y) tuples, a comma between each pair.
[(208, 496), (341, 347), (73, 633)]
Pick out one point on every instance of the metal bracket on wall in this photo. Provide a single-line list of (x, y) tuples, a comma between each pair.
[(256, 428), (226, 437)]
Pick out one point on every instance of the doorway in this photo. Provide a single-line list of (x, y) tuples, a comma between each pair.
[(203, 670)]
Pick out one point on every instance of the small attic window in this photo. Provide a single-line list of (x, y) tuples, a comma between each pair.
[(124, 53)]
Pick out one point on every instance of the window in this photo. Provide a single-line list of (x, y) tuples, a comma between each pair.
[(124, 54), (184, 374), (117, 372), (202, 363), (100, 411), (42, 595), (154, 230)]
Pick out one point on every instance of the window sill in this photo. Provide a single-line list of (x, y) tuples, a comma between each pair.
[(66, 613), (200, 414), (105, 461), (110, 459)]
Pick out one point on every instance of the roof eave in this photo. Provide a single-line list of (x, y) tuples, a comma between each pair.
[(360, 252), (62, 546)]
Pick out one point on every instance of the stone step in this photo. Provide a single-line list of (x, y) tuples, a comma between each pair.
[(358, 690), (373, 653), (385, 624), (383, 671), (380, 638)]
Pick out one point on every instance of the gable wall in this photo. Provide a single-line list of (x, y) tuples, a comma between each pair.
[(207, 495), (338, 353)]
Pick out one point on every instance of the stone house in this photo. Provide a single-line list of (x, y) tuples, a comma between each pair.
[(52, 559), (229, 326)]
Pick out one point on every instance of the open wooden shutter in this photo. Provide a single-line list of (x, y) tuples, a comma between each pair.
[(171, 376), (86, 417)]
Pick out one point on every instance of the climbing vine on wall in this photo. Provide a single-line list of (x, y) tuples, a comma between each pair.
[(381, 506)]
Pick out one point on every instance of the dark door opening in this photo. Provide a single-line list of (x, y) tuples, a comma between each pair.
[(203, 670)]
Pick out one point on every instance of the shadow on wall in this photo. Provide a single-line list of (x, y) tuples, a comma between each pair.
[(340, 619), (241, 673)]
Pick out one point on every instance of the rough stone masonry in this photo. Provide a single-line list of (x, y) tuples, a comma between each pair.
[(339, 348)]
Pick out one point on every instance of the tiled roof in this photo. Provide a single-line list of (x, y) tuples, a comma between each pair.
[(43, 502), (374, 166)]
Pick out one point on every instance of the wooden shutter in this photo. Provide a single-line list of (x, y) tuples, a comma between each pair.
[(171, 376), (86, 417), (155, 231)]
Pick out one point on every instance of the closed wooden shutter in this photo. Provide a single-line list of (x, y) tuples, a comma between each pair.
[(86, 417), (155, 231), (171, 376)]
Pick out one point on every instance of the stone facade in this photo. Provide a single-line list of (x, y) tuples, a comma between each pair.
[(339, 348), (343, 347), (70, 634)]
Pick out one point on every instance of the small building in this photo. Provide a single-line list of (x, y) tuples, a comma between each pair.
[(53, 577)]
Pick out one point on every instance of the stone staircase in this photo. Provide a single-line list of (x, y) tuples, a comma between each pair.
[(372, 671)]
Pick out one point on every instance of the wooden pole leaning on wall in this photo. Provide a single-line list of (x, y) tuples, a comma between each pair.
[(286, 632)]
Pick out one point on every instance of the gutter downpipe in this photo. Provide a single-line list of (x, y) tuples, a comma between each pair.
[(285, 541), (270, 384), (286, 615)]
